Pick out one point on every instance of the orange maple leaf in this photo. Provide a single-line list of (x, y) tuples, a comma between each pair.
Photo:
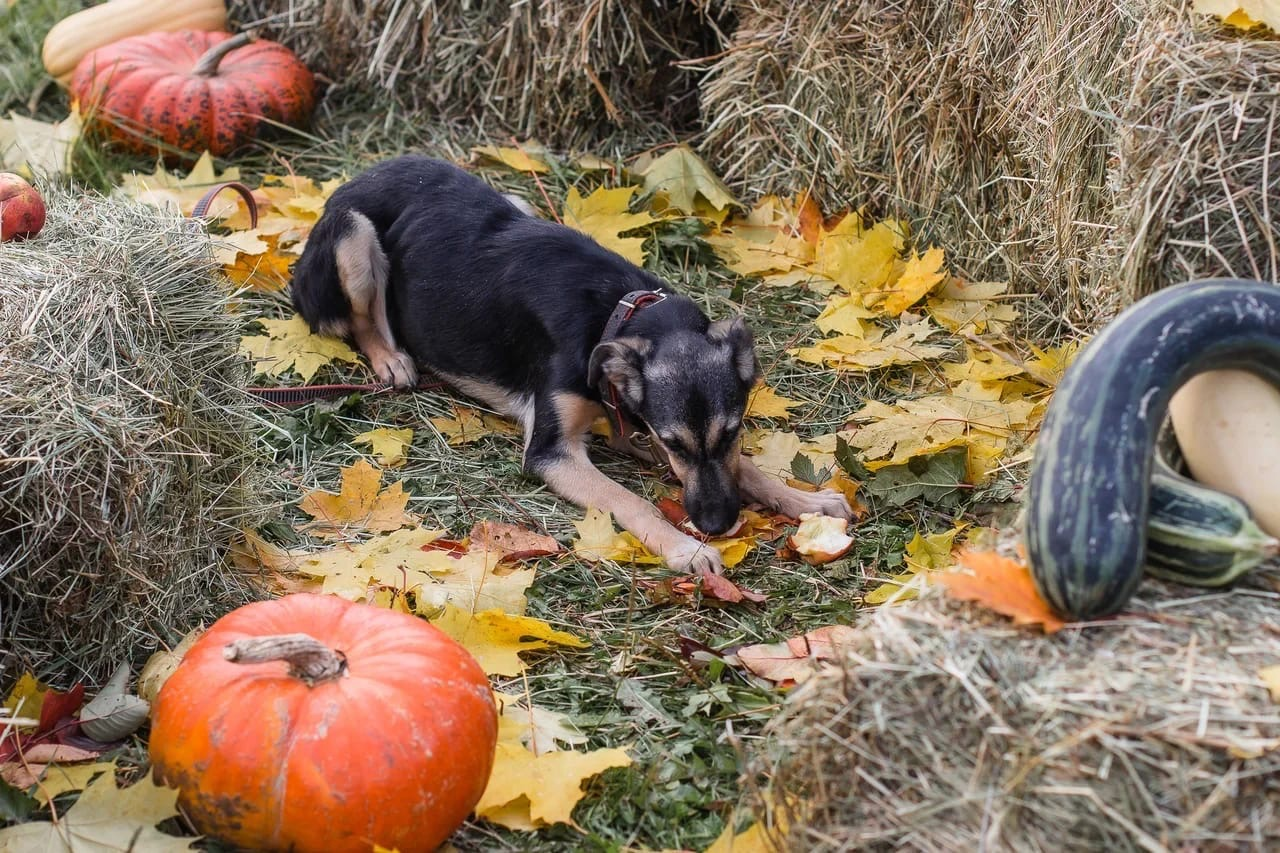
[(1000, 584)]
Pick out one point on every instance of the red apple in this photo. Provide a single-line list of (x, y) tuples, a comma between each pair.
[(21, 208)]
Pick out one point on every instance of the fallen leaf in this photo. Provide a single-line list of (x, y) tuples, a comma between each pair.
[(921, 275), (496, 639), (61, 778), (1243, 14), (105, 818), (844, 315), (721, 588), (387, 445), (1000, 584), (268, 271), (472, 582), (765, 402), (683, 177), (468, 425), (156, 671), (923, 554), (393, 559), (820, 538), (524, 159), (512, 541), (792, 661), (860, 260), (597, 540), (527, 791), (290, 344), (538, 729), (177, 194), (1270, 676), (26, 698), (753, 839), (36, 148), (604, 216), (358, 506), (876, 348)]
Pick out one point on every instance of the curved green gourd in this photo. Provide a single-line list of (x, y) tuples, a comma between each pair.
[(1088, 501)]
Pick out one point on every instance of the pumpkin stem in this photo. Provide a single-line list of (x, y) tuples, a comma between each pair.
[(207, 65), (309, 659)]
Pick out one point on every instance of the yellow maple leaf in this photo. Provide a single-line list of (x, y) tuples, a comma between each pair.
[(860, 260), (765, 402), (604, 216), (876, 348), (471, 582), (684, 179), (496, 639), (168, 191), (844, 315), (1051, 363), (539, 729), (393, 559), (358, 505), (62, 778), (266, 272), (921, 275), (25, 699), (528, 790), (597, 540), (290, 344), (756, 250), (386, 444), (468, 425), (527, 158)]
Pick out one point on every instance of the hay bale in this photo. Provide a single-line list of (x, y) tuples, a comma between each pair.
[(126, 439), (950, 730), (884, 103), (1198, 174), (563, 71), (1089, 152)]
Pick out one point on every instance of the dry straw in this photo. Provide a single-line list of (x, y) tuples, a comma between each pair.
[(1198, 177), (950, 730), (1090, 152), (565, 71), (126, 440)]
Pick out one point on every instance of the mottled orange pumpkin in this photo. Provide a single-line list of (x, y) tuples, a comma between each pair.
[(189, 91), (379, 729)]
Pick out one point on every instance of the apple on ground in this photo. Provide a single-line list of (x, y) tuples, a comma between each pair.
[(21, 208)]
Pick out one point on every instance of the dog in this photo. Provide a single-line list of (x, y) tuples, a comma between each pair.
[(428, 267)]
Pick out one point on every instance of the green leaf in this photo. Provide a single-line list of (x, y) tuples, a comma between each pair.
[(935, 478), (847, 458), (803, 469), (14, 804)]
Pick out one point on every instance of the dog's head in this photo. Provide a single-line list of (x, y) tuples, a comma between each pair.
[(691, 390)]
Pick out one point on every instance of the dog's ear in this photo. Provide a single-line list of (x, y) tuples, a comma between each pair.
[(621, 361), (737, 336)]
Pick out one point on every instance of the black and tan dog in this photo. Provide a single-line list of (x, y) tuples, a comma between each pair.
[(427, 266)]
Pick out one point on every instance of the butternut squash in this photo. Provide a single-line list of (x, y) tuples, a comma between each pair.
[(86, 30), (1228, 427)]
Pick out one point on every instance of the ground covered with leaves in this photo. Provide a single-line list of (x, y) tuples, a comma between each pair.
[(630, 694)]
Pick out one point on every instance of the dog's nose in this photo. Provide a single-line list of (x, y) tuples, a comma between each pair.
[(716, 518)]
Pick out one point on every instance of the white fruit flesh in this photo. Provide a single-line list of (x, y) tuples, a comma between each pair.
[(1228, 426)]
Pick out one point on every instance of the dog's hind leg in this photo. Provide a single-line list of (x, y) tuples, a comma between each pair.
[(362, 271)]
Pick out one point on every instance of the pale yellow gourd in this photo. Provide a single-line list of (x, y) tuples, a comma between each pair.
[(1228, 427), (89, 29)]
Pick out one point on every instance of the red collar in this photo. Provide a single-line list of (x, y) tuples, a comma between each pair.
[(627, 306)]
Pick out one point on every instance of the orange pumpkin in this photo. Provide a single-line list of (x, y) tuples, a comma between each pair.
[(379, 729), (189, 91)]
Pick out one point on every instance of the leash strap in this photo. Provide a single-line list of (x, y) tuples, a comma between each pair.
[(201, 209), (627, 306), (296, 396)]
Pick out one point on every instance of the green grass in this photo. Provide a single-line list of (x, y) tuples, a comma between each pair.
[(687, 725)]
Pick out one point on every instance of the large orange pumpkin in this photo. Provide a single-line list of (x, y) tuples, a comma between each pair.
[(189, 91), (379, 730)]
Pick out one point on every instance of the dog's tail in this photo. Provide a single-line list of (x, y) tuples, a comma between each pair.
[(317, 288)]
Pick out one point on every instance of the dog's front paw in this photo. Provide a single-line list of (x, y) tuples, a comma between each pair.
[(793, 503), (694, 557), (395, 368)]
